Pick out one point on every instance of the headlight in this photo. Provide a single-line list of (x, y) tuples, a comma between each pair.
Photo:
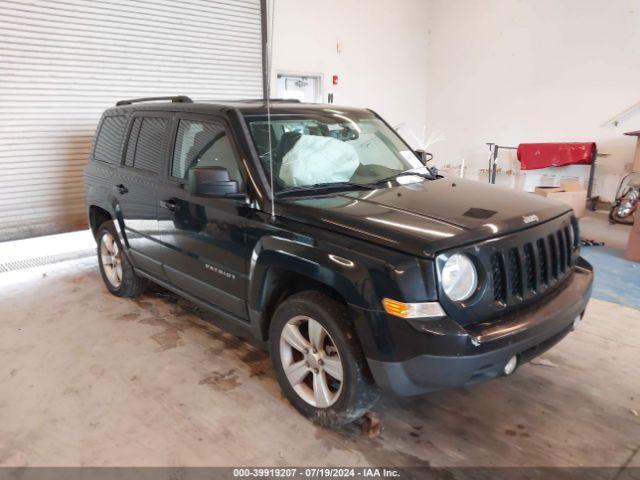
[(459, 277)]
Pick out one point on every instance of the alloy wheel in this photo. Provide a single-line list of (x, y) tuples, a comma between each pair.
[(111, 258), (311, 361)]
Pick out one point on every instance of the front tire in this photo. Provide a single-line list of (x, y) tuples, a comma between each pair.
[(116, 270), (318, 361)]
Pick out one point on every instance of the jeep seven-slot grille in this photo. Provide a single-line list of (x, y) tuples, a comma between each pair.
[(542, 262), (515, 273), (498, 272), (521, 272), (530, 267)]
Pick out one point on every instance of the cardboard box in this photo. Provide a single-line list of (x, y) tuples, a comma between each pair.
[(545, 191), (570, 193), (572, 186), (636, 158), (636, 220), (633, 247)]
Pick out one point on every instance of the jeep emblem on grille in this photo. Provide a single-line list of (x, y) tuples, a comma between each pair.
[(530, 218)]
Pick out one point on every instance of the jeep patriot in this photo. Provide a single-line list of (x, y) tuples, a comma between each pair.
[(318, 230)]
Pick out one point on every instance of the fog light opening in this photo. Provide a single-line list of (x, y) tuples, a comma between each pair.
[(510, 367)]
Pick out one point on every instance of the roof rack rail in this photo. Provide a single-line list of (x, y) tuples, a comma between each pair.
[(174, 99), (272, 100)]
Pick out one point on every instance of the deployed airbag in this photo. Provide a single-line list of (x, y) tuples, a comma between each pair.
[(315, 159)]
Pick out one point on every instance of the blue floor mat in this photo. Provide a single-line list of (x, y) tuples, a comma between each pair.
[(616, 279)]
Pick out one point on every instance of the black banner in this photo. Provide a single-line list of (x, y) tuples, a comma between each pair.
[(304, 473)]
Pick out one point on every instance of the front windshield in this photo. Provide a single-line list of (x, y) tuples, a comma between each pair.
[(329, 147)]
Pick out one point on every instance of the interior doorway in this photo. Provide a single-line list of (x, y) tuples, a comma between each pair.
[(303, 87)]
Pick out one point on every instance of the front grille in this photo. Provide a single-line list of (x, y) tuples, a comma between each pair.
[(517, 269), (523, 271), (553, 255), (567, 239), (530, 266), (542, 262), (515, 272), (498, 272)]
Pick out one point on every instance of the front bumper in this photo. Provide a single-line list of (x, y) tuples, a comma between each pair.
[(476, 353)]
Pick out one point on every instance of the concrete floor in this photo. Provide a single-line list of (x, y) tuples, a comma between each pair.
[(596, 226), (93, 380), (617, 279)]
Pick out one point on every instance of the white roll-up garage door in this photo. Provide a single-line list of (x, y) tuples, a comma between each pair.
[(62, 62)]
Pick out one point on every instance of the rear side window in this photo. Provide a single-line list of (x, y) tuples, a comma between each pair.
[(133, 140), (109, 139), (146, 143)]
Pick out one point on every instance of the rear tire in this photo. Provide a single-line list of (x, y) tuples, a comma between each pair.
[(116, 270), (318, 361)]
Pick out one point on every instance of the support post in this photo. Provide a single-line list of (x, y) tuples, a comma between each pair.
[(265, 45), (591, 201)]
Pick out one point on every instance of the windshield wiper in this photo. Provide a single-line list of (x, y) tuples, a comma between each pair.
[(411, 171), (324, 186), (406, 172)]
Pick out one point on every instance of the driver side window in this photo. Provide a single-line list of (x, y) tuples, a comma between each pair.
[(203, 144)]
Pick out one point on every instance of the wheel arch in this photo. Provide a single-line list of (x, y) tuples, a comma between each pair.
[(97, 216), (281, 268)]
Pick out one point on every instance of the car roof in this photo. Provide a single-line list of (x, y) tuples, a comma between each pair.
[(256, 107)]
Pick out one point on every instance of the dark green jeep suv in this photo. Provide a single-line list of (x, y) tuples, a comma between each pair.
[(319, 231)]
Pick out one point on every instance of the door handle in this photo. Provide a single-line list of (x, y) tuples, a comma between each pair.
[(169, 204), (122, 189)]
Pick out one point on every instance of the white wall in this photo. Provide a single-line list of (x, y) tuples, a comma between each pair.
[(513, 71), (505, 71), (382, 64)]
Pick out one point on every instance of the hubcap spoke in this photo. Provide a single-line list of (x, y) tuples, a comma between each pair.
[(321, 391), (108, 243), (296, 372), (292, 335), (113, 275), (111, 259), (333, 367), (316, 334)]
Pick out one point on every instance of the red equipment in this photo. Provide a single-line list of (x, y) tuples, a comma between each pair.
[(542, 155)]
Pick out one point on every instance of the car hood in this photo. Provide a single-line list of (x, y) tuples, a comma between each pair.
[(425, 217)]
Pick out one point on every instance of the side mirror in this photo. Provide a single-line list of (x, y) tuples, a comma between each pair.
[(425, 157), (213, 182)]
